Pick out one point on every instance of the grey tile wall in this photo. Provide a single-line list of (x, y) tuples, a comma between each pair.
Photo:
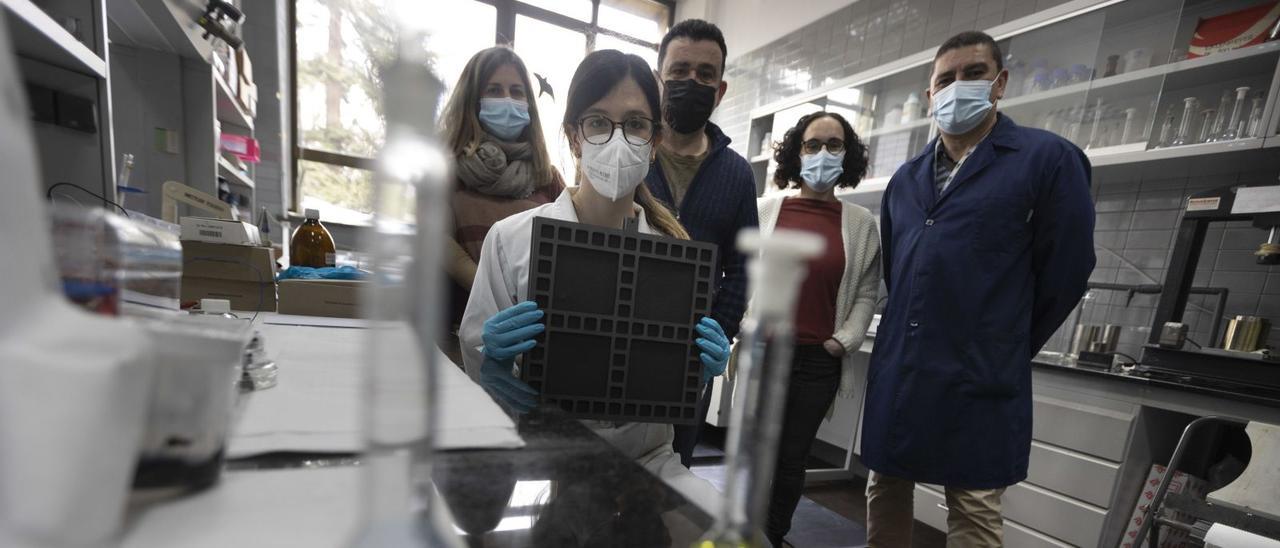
[(860, 36), (1137, 220)]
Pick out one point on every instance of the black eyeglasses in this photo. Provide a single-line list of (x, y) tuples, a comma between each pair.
[(834, 146), (597, 129)]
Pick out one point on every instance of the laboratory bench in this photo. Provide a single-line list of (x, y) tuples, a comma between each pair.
[(1095, 436), (292, 476)]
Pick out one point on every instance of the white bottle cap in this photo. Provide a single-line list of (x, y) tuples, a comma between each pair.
[(313, 214), (776, 267), (215, 306)]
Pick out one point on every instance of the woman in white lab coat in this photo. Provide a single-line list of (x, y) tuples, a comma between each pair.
[(611, 119)]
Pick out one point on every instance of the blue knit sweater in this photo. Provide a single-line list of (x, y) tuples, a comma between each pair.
[(720, 202)]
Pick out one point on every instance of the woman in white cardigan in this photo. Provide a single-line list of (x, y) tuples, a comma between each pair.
[(838, 296)]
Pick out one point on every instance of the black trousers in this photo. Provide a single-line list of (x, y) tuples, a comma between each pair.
[(815, 379), (686, 437)]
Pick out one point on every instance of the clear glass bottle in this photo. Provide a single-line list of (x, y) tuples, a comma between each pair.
[(1184, 137), (1231, 131), (402, 304)]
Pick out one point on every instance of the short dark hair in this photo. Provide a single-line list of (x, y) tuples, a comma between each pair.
[(972, 38), (694, 30), (787, 153)]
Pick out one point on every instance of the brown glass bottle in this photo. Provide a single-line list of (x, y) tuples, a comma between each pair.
[(312, 245)]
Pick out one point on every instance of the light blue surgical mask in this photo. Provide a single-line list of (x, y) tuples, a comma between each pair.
[(961, 106), (504, 117), (820, 171)]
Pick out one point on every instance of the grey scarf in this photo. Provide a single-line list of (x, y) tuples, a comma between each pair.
[(498, 168)]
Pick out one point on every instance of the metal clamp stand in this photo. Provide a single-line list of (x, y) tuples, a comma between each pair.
[(1206, 513)]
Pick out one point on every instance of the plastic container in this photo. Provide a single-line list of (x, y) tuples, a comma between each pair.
[(311, 244)]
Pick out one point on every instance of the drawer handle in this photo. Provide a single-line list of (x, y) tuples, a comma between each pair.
[(943, 507)]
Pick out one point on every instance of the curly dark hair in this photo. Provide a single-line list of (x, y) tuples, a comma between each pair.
[(787, 153)]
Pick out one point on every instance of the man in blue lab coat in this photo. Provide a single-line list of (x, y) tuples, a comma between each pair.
[(988, 245)]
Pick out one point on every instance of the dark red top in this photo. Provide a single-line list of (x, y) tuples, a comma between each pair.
[(816, 306)]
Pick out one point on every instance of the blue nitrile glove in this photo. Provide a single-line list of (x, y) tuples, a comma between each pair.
[(715, 348), (508, 334)]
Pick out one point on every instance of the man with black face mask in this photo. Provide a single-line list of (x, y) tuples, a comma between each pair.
[(710, 187)]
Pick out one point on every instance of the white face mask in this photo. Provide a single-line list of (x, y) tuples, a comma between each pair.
[(617, 167)]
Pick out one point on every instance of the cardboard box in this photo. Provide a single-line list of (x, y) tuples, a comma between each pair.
[(220, 231), (228, 262), (248, 98), (244, 65), (1169, 537), (333, 298), (247, 296)]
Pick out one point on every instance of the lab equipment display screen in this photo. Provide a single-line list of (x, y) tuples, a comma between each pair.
[(620, 313)]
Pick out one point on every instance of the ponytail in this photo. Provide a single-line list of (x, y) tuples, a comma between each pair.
[(659, 216)]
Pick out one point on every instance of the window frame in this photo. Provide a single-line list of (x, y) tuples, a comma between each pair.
[(505, 33)]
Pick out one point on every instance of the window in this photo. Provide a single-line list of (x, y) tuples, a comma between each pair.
[(340, 44)]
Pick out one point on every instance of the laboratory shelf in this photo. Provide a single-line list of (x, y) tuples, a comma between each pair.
[(867, 186), (233, 175), (37, 36), (1104, 158), (163, 25), (229, 109), (914, 124), (1179, 74)]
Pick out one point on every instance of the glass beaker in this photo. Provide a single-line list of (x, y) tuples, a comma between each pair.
[(1232, 129), (1184, 137)]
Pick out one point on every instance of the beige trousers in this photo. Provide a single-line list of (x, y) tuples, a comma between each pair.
[(973, 515)]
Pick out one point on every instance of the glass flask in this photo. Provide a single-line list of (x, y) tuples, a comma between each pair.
[(1255, 116), (1184, 137), (1231, 130), (1096, 133), (1166, 129), (1207, 118), (402, 304), (777, 262), (1219, 125)]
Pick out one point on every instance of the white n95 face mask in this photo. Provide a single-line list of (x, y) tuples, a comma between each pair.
[(617, 167)]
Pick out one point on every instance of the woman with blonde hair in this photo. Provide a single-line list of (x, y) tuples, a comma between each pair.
[(491, 124)]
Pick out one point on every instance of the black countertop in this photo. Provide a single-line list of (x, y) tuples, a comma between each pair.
[(1137, 376), (566, 487)]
